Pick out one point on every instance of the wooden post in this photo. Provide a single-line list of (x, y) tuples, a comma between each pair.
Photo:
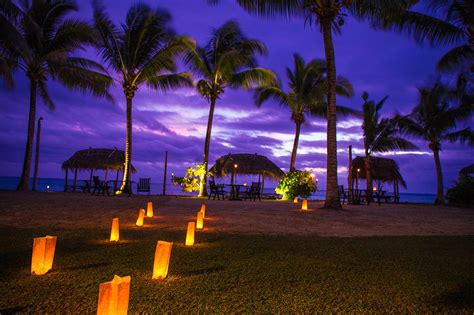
[(164, 173), (38, 135), (349, 177), (116, 180), (75, 178), (65, 181), (263, 182), (90, 180)]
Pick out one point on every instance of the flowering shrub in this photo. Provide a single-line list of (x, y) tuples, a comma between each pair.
[(191, 180), (296, 183)]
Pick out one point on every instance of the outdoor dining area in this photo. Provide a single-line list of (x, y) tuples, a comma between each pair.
[(93, 161), (383, 171), (247, 165)]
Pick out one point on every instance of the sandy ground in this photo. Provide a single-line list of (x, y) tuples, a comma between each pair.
[(67, 210)]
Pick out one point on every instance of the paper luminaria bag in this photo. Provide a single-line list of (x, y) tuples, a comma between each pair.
[(304, 205), (149, 210), (141, 216), (295, 200), (200, 221), (115, 232), (114, 296), (43, 254), (203, 210), (190, 234), (162, 259)]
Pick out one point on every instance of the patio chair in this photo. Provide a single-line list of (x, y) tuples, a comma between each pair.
[(100, 186), (253, 192), (143, 185), (216, 191), (342, 194)]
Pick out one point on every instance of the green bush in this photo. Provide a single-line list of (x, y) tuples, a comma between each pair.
[(191, 180), (296, 183), (462, 193)]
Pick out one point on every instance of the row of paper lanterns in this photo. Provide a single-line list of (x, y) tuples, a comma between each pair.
[(114, 295)]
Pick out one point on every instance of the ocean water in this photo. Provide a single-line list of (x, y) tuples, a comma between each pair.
[(57, 184)]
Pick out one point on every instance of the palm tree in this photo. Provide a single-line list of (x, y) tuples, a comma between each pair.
[(452, 22), (329, 16), (380, 135), (38, 38), (227, 60), (141, 51), (434, 120), (306, 95)]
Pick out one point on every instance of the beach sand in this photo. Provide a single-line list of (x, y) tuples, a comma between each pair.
[(76, 210)]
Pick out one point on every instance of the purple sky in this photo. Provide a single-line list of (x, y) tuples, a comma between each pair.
[(378, 62)]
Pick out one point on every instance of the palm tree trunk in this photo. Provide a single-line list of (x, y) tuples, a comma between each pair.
[(368, 176), (295, 146), (332, 194), (440, 194), (25, 173), (207, 144), (128, 150)]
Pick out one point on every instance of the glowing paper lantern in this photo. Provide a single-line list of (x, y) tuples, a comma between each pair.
[(149, 210), (203, 210), (114, 233), (295, 200), (200, 221), (43, 254), (304, 206), (141, 216), (190, 234), (162, 259), (114, 296)]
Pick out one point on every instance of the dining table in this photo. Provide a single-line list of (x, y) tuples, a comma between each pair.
[(235, 191)]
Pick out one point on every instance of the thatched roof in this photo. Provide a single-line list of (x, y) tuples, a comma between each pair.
[(467, 170), (249, 164), (383, 169), (97, 159)]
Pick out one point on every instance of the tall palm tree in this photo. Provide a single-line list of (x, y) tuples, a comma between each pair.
[(329, 16), (380, 135), (141, 51), (435, 120), (38, 38), (306, 95), (227, 60)]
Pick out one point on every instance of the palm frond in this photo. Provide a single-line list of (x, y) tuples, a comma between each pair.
[(456, 59), (44, 94), (463, 135), (253, 78), (167, 82), (265, 93)]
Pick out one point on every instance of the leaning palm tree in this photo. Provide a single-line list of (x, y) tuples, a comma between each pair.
[(141, 51), (380, 135), (38, 38), (227, 60), (329, 16), (306, 95), (434, 120)]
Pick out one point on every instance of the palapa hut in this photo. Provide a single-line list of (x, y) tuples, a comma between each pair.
[(94, 159), (383, 170), (247, 164)]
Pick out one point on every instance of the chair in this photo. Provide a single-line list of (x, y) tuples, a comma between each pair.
[(342, 194), (100, 186), (216, 190), (143, 185), (253, 192)]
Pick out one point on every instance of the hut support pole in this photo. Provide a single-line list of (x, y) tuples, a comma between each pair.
[(90, 180), (164, 173), (116, 180), (65, 180), (349, 177), (75, 178), (263, 182)]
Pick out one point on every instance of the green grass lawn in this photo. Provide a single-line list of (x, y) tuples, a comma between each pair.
[(242, 273)]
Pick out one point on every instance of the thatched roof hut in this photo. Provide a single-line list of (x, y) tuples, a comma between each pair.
[(248, 164), (96, 159), (383, 169), (468, 170)]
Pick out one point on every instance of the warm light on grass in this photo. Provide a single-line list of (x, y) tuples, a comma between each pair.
[(141, 216), (149, 210), (114, 296), (162, 259), (43, 254), (200, 221), (115, 232), (190, 234)]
